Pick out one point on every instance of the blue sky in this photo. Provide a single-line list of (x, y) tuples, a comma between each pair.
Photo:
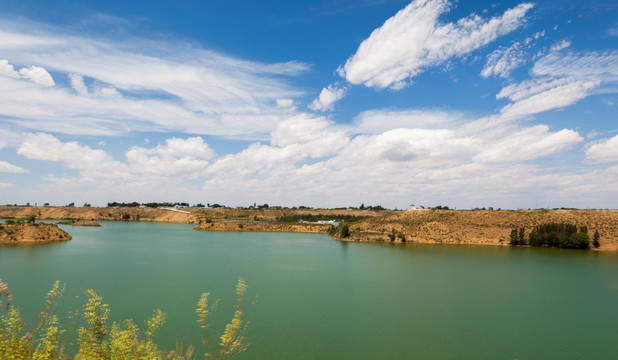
[(318, 103)]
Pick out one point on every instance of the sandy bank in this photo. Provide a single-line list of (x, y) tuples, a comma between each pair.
[(478, 227), (32, 234), (259, 226)]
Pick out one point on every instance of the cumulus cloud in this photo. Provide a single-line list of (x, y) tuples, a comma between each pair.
[(178, 157), (528, 144), (309, 136), (41, 146), (413, 39), (38, 75), (605, 151), (382, 120), (7, 69), (10, 168), (328, 97)]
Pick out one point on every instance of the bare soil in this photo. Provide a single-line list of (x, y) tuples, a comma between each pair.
[(32, 234), (479, 227)]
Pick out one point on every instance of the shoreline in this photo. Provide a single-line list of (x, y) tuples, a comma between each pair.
[(474, 227)]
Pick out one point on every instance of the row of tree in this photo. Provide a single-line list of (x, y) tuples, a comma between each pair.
[(556, 235)]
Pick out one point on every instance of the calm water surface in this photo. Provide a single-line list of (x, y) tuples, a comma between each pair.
[(314, 298)]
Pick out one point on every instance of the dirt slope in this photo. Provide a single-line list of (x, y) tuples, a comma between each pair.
[(423, 226), (481, 227), (32, 233), (93, 213)]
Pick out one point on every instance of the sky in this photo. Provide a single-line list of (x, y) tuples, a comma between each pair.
[(466, 104)]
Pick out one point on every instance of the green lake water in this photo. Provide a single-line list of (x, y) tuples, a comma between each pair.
[(311, 297)]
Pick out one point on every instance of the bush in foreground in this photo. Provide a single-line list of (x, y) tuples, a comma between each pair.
[(125, 341)]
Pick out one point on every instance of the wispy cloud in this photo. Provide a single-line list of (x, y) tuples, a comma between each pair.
[(155, 86), (414, 39), (504, 60), (6, 167), (579, 64)]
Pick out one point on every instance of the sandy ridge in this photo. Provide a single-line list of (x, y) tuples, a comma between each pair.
[(480, 227), (35, 233)]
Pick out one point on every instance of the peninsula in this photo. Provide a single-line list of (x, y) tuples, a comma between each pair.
[(31, 233)]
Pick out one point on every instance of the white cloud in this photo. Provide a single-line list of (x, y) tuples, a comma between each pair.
[(563, 44), (285, 103), (382, 120), (503, 61), (584, 64), (178, 157), (7, 69), (536, 99), (528, 144), (42, 146), (309, 136), (138, 84), (77, 83), (328, 97), (413, 39), (6, 185), (38, 75), (10, 168), (605, 151)]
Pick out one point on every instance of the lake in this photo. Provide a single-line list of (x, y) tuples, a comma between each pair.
[(311, 297)]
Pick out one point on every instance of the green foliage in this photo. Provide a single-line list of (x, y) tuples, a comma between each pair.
[(440, 207), (91, 339), (31, 218), (340, 231), (595, 239), (518, 237), (522, 236), (514, 238), (344, 232), (560, 235), (125, 341)]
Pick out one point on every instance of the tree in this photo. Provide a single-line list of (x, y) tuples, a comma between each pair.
[(561, 235), (595, 239), (344, 231), (522, 236), (514, 237), (30, 219)]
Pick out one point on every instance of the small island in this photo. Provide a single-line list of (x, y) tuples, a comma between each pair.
[(31, 233)]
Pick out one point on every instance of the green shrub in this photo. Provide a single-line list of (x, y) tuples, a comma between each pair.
[(595, 239), (560, 235), (124, 341)]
